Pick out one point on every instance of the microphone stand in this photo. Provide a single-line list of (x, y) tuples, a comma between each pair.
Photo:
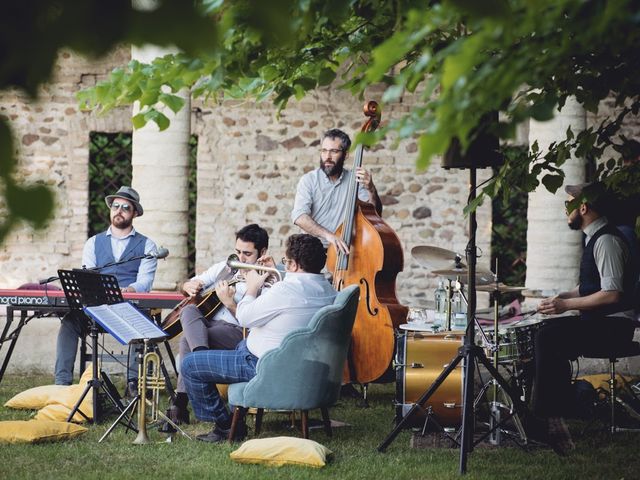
[(97, 269)]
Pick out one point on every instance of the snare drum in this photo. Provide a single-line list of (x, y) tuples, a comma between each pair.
[(420, 358), (524, 335), (507, 345)]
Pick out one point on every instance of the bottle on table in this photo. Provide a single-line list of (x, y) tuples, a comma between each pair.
[(440, 297)]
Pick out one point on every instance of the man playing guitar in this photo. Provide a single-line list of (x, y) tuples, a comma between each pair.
[(221, 330)]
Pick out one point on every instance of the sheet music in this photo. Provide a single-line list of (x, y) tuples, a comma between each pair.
[(124, 322)]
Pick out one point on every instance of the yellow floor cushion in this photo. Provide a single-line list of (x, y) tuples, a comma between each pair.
[(35, 398), (55, 402), (278, 451), (33, 431)]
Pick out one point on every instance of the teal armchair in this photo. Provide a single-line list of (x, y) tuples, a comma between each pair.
[(305, 372)]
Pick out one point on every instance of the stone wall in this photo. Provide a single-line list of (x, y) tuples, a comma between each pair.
[(52, 138), (261, 158)]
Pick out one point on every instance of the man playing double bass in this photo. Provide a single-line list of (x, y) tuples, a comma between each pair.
[(222, 331), (322, 193), (327, 197)]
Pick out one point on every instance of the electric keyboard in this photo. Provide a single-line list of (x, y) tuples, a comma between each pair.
[(56, 298)]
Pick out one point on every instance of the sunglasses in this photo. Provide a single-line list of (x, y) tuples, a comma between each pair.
[(124, 206)]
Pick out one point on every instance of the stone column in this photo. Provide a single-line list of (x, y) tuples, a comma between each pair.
[(160, 168), (553, 250)]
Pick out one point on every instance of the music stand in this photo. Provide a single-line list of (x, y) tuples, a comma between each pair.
[(87, 288)]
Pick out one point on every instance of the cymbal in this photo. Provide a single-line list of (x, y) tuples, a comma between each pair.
[(483, 277), (500, 287), (436, 257)]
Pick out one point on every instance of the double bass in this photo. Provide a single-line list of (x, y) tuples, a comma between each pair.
[(374, 260)]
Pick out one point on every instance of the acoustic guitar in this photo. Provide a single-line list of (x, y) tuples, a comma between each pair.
[(207, 302)]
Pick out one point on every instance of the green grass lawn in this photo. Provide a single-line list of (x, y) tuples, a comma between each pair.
[(597, 456)]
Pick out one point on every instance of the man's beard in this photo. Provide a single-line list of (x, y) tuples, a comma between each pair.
[(576, 222), (334, 170), (121, 222)]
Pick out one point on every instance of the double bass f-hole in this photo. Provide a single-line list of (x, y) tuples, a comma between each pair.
[(367, 295)]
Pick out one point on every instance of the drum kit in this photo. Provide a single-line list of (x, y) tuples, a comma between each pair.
[(423, 349)]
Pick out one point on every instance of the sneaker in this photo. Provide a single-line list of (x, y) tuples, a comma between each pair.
[(559, 437), (218, 435)]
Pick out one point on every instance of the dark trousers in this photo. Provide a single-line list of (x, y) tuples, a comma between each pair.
[(562, 340)]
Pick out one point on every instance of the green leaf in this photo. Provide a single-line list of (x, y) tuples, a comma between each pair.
[(485, 8), (159, 118), (473, 205), (139, 121), (552, 182), (174, 102), (544, 110), (326, 76), (31, 203)]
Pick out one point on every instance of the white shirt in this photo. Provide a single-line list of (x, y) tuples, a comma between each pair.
[(288, 305), (324, 200)]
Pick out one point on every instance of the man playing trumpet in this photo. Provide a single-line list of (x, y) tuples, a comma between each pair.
[(221, 331), (288, 305)]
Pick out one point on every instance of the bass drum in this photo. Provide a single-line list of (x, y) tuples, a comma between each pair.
[(420, 359)]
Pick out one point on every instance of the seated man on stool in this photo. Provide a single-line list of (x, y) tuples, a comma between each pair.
[(604, 299), (222, 331), (286, 306)]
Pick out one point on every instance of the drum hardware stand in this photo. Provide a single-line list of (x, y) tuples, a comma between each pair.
[(447, 325), (469, 352), (431, 417), (495, 411)]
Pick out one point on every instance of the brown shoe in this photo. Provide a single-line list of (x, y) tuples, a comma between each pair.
[(559, 437)]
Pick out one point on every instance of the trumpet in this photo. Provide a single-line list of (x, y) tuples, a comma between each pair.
[(149, 378), (235, 264)]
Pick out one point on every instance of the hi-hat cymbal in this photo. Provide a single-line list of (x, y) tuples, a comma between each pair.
[(436, 257), (500, 287), (483, 277)]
